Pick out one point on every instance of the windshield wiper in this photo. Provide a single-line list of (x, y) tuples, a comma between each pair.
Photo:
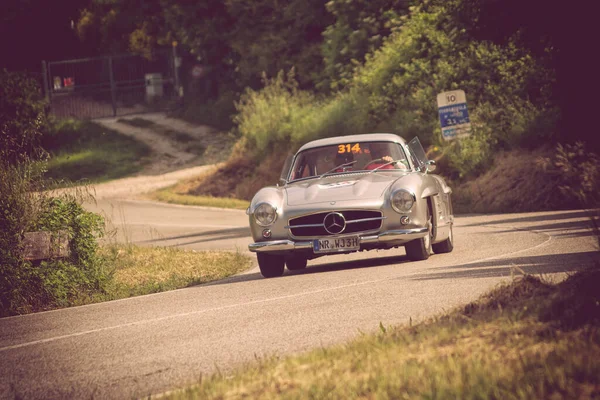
[(339, 166), (383, 165)]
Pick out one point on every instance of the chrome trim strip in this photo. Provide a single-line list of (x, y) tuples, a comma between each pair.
[(387, 236), (354, 221), (278, 245), (305, 226)]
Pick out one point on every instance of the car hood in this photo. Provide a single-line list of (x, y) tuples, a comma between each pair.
[(340, 187)]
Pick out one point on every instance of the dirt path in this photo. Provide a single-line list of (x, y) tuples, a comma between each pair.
[(179, 151)]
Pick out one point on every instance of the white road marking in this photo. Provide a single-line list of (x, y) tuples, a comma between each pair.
[(356, 284)]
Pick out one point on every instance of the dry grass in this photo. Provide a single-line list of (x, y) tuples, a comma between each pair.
[(171, 195), (515, 183), (520, 341), (143, 270), (240, 177)]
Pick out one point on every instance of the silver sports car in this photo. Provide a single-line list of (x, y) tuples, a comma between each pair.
[(347, 194)]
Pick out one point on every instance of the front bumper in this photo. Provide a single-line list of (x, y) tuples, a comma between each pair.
[(399, 235)]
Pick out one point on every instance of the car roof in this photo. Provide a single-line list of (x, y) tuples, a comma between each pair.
[(366, 137)]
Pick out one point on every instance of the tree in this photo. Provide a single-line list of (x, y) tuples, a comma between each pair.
[(22, 117), (360, 28), (270, 37)]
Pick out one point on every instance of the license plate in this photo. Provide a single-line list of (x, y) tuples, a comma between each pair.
[(338, 244)]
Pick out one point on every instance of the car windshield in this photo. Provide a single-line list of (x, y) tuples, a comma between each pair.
[(348, 157)]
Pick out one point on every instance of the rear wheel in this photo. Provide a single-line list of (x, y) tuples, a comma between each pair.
[(420, 249), (446, 246), (294, 264), (270, 265)]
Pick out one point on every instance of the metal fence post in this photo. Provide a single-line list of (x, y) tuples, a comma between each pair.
[(113, 87), (176, 63), (45, 81)]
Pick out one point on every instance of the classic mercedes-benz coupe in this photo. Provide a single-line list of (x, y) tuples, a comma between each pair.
[(351, 193)]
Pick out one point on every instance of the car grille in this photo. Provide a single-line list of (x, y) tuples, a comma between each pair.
[(356, 221)]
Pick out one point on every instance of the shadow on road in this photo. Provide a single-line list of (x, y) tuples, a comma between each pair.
[(204, 236), (546, 264), (504, 267), (584, 228), (336, 266), (571, 214)]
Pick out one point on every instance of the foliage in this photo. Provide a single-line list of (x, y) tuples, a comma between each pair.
[(360, 28), (395, 91), (18, 209), (269, 37), (125, 25), (56, 282), (22, 117), (577, 172), (268, 117), (25, 207)]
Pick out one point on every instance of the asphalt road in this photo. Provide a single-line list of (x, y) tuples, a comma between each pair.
[(151, 344)]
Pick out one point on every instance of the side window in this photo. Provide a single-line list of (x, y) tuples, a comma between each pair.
[(285, 172), (417, 152), (305, 173), (413, 160)]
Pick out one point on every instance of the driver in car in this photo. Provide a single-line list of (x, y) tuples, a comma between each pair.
[(380, 157)]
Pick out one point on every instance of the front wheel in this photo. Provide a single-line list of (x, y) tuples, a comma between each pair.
[(420, 249), (446, 246), (271, 266), (294, 264)]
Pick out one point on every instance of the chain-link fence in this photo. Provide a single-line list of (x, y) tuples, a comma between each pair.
[(111, 85)]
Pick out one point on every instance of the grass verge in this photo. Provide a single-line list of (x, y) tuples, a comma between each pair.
[(136, 270), (83, 150), (170, 195), (144, 270), (527, 339)]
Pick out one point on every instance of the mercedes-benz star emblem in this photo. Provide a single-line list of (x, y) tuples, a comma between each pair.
[(334, 223)]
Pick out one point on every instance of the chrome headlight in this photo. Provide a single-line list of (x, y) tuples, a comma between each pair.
[(402, 201), (265, 214)]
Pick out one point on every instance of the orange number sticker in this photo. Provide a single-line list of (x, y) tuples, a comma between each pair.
[(348, 148)]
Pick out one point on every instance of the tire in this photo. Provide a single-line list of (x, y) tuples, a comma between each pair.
[(420, 249), (446, 246), (271, 266), (295, 264)]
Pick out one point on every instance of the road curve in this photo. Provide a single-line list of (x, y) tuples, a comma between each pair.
[(150, 344)]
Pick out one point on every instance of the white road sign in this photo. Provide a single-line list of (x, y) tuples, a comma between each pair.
[(454, 116)]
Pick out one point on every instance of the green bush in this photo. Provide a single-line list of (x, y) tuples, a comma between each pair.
[(25, 207), (270, 116), (430, 55), (577, 175), (22, 117), (18, 208), (59, 282)]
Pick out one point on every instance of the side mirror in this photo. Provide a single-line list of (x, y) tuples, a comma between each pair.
[(430, 166)]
